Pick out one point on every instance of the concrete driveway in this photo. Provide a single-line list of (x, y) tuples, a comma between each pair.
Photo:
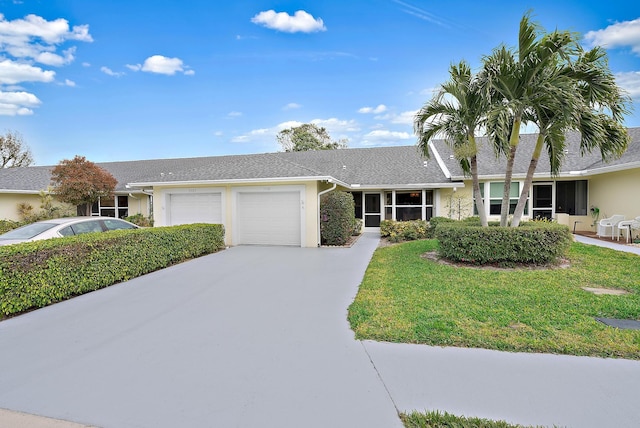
[(248, 337), (258, 337)]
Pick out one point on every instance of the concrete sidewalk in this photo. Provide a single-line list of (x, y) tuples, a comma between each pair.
[(614, 245)]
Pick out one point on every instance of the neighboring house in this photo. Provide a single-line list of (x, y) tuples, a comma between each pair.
[(273, 198)]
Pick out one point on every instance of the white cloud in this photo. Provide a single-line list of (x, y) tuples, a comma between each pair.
[(630, 82), (234, 114), (25, 42), (36, 38), (291, 106), (12, 72), (384, 137), (430, 91), (161, 65), (256, 134), (404, 118), (334, 125), (108, 71), (301, 21), (375, 110), (620, 34), (336, 128), (17, 103)]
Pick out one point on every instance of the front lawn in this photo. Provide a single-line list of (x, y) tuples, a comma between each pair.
[(407, 298)]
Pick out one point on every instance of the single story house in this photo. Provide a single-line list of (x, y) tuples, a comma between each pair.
[(273, 198)]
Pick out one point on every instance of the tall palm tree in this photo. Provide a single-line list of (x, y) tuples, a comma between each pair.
[(583, 89), (456, 113), (520, 82)]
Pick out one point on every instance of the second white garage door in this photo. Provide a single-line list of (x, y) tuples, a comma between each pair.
[(269, 218)]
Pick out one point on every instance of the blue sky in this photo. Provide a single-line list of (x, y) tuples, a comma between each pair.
[(122, 80)]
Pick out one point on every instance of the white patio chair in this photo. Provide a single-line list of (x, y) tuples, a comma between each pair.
[(608, 227), (628, 226)]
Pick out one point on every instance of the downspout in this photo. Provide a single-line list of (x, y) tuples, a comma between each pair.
[(319, 219)]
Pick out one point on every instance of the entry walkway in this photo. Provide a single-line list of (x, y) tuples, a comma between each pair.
[(258, 337), (614, 245)]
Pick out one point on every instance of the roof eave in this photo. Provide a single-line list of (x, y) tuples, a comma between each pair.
[(406, 186), (235, 181)]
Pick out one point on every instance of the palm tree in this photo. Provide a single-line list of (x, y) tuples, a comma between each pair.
[(455, 113), (518, 82), (583, 90)]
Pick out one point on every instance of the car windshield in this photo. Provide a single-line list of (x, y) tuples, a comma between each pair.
[(28, 231)]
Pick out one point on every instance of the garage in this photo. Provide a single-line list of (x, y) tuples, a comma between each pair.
[(187, 208), (268, 218)]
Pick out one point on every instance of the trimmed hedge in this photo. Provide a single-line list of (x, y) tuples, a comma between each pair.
[(397, 231), (36, 274), (337, 214), (536, 243), (7, 225)]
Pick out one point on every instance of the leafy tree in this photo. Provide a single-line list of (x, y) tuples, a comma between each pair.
[(13, 151), (308, 137), (81, 182), (456, 113)]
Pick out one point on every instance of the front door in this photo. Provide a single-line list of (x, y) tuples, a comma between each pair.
[(372, 208)]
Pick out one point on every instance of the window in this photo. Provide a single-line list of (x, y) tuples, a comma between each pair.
[(111, 206), (357, 201), (496, 191), (571, 197), (409, 205)]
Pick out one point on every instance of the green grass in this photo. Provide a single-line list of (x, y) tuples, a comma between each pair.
[(406, 298), (445, 420)]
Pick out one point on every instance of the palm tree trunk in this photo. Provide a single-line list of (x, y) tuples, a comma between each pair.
[(513, 144), (476, 191), (524, 195)]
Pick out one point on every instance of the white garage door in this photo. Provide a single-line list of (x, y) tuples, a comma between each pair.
[(187, 208), (268, 218)]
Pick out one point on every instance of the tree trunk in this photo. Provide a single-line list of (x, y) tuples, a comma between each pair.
[(524, 195), (513, 144), (476, 191)]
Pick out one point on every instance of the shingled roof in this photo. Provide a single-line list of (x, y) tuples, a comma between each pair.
[(574, 163), (377, 167)]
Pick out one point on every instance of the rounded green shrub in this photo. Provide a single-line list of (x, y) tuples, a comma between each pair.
[(535, 243), (397, 231), (337, 218)]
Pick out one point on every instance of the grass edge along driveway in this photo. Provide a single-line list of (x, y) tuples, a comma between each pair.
[(405, 297)]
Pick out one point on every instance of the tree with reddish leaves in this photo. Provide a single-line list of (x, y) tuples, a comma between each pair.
[(81, 183)]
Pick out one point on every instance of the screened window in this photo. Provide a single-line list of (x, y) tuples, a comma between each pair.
[(115, 206), (408, 205), (571, 197)]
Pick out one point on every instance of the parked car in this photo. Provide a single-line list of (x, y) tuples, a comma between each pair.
[(59, 227)]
